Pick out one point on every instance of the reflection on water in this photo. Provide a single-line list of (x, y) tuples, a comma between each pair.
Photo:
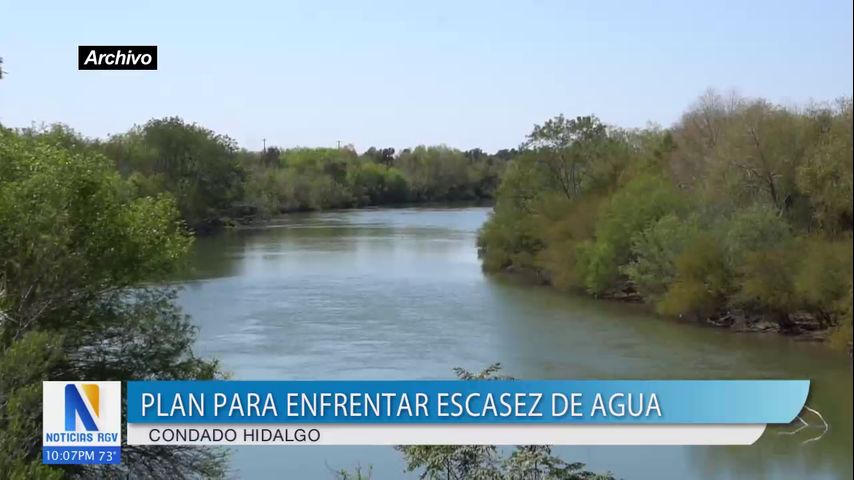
[(398, 293)]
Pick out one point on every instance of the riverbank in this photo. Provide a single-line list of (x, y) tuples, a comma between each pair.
[(250, 222), (677, 217), (801, 325), (399, 293)]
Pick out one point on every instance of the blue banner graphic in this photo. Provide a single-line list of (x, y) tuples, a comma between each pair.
[(468, 402)]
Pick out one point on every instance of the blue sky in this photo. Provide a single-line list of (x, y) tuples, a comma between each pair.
[(464, 73)]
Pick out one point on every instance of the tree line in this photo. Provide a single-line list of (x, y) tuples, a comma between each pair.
[(92, 230), (741, 211), (738, 215), (322, 178), (214, 182)]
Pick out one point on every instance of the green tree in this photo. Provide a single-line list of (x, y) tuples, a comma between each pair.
[(822, 280), (566, 148), (758, 155), (655, 250), (767, 282), (375, 184), (697, 219), (383, 156), (564, 227), (639, 203), (76, 253), (752, 229), (702, 283), (826, 174), (437, 173), (197, 166), (536, 462)]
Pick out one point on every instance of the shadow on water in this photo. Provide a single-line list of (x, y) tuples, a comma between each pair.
[(383, 294)]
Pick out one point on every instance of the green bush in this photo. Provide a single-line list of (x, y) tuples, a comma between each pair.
[(654, 251), (637, 205), (702, 281), (197, 166), (822, 281), (507, 240), (766, 282), (564, 225), (78, 251), (373, 183), (753, 229)]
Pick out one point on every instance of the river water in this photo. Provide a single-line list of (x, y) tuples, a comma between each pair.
[(399, 294)]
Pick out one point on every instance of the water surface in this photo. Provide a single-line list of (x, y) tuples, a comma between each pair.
[(399, 294)]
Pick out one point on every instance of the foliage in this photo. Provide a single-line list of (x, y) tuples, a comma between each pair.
[(639, 203), (197, 166), (565, 227), (442, 173), (655, 250), (374, 183), (702, 281), (811, 274), (76, 253), (766, 283), (825, 176), (505, 241), (324, 178), (464, 462), (566, 148), (741, 204), (753, 229), (757, 154), (822, 283), (536, 462), (357, 474), (22, 366), (214, 183)]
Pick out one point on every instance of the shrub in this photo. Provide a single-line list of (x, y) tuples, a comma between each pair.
[(563, 226), (655, 250), (753, 229), (823, 277), (507, 240), (766, 282), (641, 202), (702, 282)]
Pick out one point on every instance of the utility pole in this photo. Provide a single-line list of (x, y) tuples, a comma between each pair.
[(265, 144), (339, 144)]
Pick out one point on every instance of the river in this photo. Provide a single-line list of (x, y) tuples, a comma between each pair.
[(399, 294)]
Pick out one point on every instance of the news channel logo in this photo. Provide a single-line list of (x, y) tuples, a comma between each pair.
[(81, 422)]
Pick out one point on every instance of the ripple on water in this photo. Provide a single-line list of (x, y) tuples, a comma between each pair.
[(383, 294)]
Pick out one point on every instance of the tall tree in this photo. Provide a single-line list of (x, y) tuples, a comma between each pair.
[(77, 255), (566, 147), (198, 166)]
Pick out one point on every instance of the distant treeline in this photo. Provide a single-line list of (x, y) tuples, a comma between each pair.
[(215, 182), (740, 214), (322, 178)]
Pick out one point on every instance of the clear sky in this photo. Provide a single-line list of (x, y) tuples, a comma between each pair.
[(464, 73)]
